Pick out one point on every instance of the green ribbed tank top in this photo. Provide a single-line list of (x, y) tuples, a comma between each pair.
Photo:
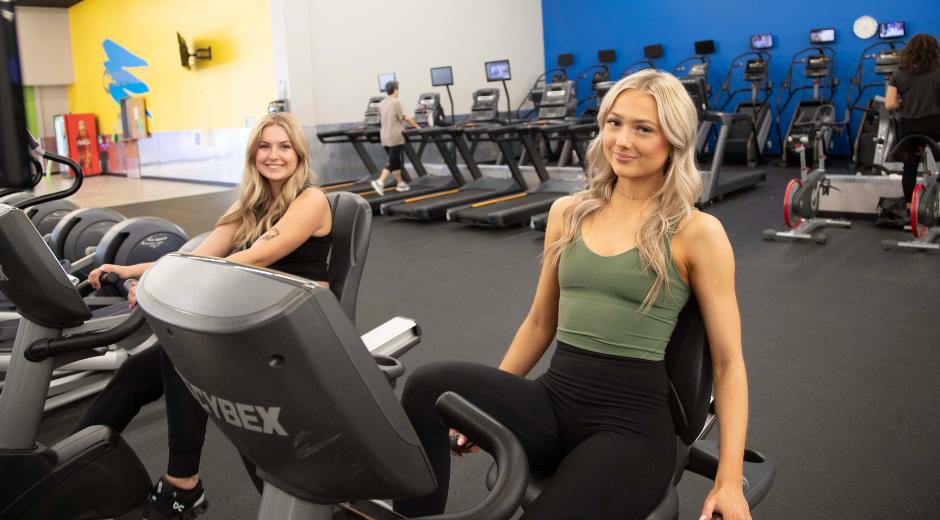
[(601, 299)]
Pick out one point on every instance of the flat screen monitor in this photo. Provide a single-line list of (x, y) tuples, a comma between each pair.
[(651, 52), (705, 47), (184, 51), (497, 70), (565, 60), (442, 76), (384, 78), (762, 41), (889, 30), (607, 56), (827, 35), (14, 151)]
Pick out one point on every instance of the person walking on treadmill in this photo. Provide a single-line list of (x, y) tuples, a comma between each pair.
[(914, 91), (391, 117)]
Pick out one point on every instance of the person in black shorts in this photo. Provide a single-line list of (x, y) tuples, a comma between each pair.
[(392, 118), (621, 260), (914, 91), (280, 220)]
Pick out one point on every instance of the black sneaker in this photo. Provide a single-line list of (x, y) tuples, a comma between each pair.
[(166, 502)]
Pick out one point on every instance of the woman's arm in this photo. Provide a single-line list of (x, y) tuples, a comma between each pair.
[(892, 102), (307, 216), (537, 330), (710, 262)]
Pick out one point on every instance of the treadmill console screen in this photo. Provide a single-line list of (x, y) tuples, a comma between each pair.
[(891, 30), (384, 78), (497, 70), (822, 35), (442, 76), (486, 98), (555, 93), (762, 41), (705, 47), (651, 52), (14, 151)]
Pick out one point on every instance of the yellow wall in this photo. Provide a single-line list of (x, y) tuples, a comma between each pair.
[(237, 84)]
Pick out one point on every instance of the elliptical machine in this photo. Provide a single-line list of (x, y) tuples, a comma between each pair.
[(801, 199), (925, 203)]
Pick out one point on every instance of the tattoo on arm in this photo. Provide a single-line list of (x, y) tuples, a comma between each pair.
[(271, 235)]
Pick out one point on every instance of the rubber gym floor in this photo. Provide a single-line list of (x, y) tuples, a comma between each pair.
[(839, 339)]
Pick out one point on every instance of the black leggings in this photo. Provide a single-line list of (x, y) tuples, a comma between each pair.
[(929, 126), (602, 423), (142, 379)]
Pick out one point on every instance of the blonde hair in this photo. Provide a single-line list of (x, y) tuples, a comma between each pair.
[(255, 210), (681, 186)]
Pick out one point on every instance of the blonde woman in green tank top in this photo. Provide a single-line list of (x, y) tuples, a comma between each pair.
[(638, 213)]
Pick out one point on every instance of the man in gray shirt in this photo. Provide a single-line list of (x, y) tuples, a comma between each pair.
[(391, 137)]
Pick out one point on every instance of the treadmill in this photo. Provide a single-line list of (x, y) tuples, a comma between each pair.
[(518, 209), (484, 125), (429, 115), (581, 135), (367, 132)]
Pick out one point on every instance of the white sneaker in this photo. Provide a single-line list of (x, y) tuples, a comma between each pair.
[(402, 187), (378, 188)]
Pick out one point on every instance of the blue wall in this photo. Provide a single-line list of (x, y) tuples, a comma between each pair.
[(585, 26)]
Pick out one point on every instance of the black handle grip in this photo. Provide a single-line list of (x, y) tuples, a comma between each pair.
[(108, 278), (43, 349), (506, 495)]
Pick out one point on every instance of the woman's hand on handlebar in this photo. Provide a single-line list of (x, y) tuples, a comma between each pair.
[(94, 277), (460, 444), (132, 295), (727, 501)]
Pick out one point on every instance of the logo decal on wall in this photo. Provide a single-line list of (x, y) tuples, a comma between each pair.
[(119, 82)]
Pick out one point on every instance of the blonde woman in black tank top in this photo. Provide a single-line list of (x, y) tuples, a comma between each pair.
[(599, 416)]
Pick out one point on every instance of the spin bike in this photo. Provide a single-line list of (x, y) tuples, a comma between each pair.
[(801, 199), (925, 203)]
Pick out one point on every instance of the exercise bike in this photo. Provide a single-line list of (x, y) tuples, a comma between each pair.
[(801, 198), (925, 203)]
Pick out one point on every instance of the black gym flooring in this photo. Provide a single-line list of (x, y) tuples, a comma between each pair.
[(839, 339)]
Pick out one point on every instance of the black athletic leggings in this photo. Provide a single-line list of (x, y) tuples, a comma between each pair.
[(601, 422), (142, 379), (929, 126)]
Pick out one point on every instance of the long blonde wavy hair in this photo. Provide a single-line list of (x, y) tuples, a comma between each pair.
[(681, 186), (255, 210)]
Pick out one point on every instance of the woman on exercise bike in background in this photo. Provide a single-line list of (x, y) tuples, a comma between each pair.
[(621, 260), (280, 220), (914, 91)]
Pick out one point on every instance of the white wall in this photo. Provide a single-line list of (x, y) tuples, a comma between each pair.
[(45, 46), (336, 49)]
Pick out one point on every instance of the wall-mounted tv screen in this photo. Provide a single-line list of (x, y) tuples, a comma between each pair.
[(184, 50), (827, 35), (705, 47), (607, 56), (384, 78), (442, 76), (565, 60), (651, 52), (14, 151), (762, 41), (497, 70), (891, 30)]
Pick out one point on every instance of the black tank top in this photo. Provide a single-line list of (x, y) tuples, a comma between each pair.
[(308, 260)]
